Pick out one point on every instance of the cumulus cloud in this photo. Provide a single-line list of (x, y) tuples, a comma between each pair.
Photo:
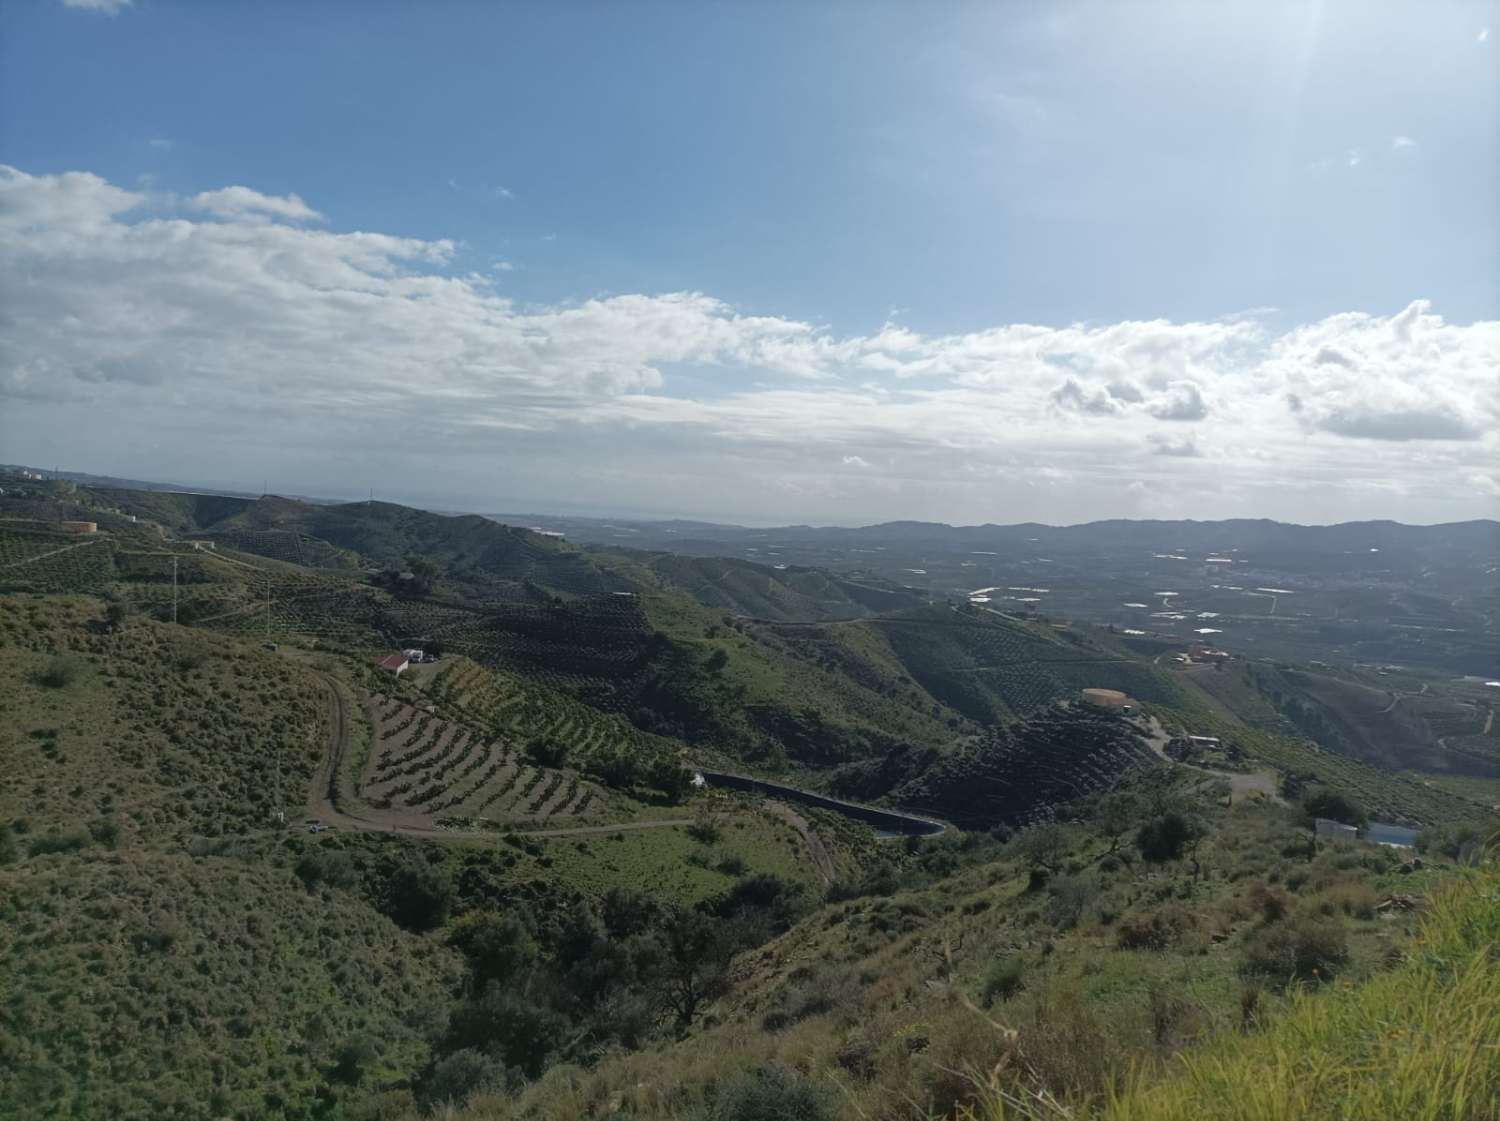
[(238, 315), (1183, 402), (1183, 446), (242, 203)]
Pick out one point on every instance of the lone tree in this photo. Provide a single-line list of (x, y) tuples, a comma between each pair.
[(1324, 801), (1043, 848)]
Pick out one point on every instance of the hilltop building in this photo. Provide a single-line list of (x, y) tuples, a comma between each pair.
[(1111, 699), (394, 663)]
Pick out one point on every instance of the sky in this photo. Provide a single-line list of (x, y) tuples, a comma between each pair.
[(821, 262)]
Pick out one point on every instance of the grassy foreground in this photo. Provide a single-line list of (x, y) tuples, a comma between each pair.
[(1420, 1043)]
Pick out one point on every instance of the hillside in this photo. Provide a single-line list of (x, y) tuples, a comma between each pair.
[(145, 985), (144, 731), (1066, 973)]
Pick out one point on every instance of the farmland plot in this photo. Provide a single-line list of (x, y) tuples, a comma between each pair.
[(423, 764)]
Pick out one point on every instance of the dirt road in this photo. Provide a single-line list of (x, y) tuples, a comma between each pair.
[(1241, 785), (817, 851)]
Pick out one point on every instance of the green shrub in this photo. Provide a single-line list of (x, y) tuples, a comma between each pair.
[(770, 1093), (58, 842), (457, 1077), (60, 672), (1168, 836), (1306, 948), (1004, 978), (1154, 930)]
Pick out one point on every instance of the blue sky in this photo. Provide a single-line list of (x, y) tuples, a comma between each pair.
[(907, 186)]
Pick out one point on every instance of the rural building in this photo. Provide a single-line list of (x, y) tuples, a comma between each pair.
[(1335, 830), (79, 527), (1199, 652), (394, 663), (1204, 741), (413, 654)]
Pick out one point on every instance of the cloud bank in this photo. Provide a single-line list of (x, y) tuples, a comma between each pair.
[(240, 313)]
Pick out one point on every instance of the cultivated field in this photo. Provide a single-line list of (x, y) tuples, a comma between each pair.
[(423, 764)]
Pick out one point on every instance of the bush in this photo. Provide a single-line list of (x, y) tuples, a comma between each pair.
[(1270, 903), (105, 831), (326, 865), (58, 842), (1165, 837), (770, 1093), (1155, 930), (1066, 900), (1002, 980), (9, 851), (60, 673), (1307, 948), (457, 1077)]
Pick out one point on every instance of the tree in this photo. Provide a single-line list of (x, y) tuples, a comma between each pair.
[(694, 962), (115, 615), (1167, 837), (1114, 816), (497, 947), (1043, 847), (1324, 801), (9, 852), (417, 894)]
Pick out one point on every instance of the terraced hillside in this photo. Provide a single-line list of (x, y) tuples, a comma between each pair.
[(1373, 724), (420, 763), (525, 714), (1019, 772)]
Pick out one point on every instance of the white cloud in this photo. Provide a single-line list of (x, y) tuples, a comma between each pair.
[(503, 266), (1483, 36), (1181, 446), (117, 316), (242, 203), (504, 193), (107, 7), (160, 143), (1402, 143)]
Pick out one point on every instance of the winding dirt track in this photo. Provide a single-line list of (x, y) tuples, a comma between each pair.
[(817, 851)]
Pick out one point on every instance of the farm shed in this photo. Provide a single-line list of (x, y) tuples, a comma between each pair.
[(394, 663), (79, 527)]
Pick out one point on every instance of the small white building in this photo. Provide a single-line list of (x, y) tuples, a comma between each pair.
[(394, 664)]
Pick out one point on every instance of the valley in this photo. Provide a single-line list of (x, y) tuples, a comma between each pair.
[(616, 813)]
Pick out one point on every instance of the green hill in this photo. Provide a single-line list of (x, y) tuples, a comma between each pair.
[(147, 985)]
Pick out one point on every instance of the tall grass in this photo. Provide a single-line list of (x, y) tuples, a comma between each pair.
[(1420, 1043)]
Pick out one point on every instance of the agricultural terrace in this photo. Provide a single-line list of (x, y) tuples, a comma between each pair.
[(524, 712), (423, 764), (593, 648), (37, 561)]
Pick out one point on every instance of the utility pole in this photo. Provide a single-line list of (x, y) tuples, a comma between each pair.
[(268, 607), (174, 588)]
